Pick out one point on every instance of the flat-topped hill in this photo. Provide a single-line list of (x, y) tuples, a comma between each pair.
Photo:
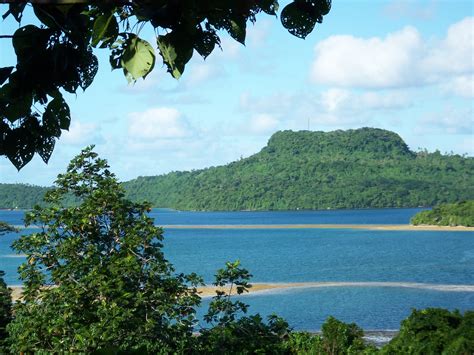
[(358, 168)]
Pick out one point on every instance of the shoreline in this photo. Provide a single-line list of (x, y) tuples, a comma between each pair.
[(208, 291), (382, 227)]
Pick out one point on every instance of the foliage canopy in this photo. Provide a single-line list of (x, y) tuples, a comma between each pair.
[(95, 276), (58, 56), (449, 214)]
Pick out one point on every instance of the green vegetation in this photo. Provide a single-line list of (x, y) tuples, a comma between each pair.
[(449, 214), (33, 109), (363, 168), (20, 195), (434, 331), (360, 168), (96, 281), (5, 298)]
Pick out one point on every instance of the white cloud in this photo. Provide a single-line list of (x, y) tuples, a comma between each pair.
[(81, 133), (371, 63), (158, 123), (262, 124), (455, 53), (462, 86), (400, 59), (449, 121)]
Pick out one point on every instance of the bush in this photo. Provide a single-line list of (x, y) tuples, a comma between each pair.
[(434, 331)]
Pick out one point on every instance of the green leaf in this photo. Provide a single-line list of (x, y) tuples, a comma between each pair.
[(176, 51), (138, 58), (105, 30)]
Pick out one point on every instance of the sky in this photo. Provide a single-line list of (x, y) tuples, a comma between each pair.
[(405, 66)]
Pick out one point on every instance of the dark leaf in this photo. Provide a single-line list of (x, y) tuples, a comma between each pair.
[(205, 41), (88, 67), (20, 145), (5, 73), (14, 106), (15, 9), (27, 39), (56, 117), (45, 148), (237, 28), (300, 17), (269, 6)]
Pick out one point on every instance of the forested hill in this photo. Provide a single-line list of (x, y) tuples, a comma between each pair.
[(317, 170), (359, 168)]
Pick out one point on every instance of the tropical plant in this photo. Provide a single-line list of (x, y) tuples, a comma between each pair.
[(232, 332), (95, 276)]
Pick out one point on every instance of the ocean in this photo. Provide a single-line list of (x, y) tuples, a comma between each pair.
[(371, 277)]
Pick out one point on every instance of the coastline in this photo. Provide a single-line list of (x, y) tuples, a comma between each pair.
[(382, 227), (209, 291)]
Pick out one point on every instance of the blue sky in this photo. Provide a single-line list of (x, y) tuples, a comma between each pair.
[(406, 66)]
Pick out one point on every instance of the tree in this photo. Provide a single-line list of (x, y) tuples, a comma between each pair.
[(58, 56), (5, 296), (434, 331), (232, 332), (95, 276)]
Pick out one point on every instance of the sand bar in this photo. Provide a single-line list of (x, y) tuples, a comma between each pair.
[(382, 227), (260, 288), (386, 227)]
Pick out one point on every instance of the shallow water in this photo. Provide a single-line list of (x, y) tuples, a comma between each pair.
[(318, 255)]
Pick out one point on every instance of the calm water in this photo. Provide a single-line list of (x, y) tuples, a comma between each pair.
[(315, 255)]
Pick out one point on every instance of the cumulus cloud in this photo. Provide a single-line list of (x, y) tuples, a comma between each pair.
[(462, 86), (81, 133), (400, 59), (158, 123)]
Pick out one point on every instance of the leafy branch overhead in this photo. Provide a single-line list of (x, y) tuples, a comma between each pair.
[(57, 56)]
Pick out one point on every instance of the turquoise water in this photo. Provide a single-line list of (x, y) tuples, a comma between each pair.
[(318, 255)]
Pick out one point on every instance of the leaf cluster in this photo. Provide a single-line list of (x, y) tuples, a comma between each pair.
[(58, 56)]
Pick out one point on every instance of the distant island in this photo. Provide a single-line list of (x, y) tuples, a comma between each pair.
[(361, 168), (449, 214)]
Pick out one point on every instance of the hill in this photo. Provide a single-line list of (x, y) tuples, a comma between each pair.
[(359, 168), (449, 214)]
